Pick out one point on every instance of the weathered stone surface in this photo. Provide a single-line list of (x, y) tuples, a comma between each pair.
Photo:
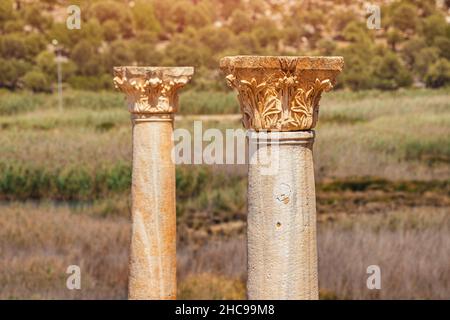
[(279, 98), (281, 234), (280, 93), (152, 100), (151, 90)]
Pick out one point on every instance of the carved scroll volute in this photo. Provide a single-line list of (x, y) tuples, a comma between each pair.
[(273, 94), (152, 90)]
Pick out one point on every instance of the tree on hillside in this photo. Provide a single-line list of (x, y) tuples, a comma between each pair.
[(217, 39), (404, 17), (33, 16), (13, 26), (240, 21), (6, 11), (433, 27), (423, 59), (144, 17), (13, 46), (118, 54), (267, 34), (21, 46), (443, 44), (393, 38), (145, 53), (36, 81), (389, 73), (358, 57), (342, 18), (247, 43), (86, 57), (113, 10), (11, 71), (229, 7), (438, 74), (184, 14), (186, 49), (357, 32), (410, 48), (46, 62), (111, 30)]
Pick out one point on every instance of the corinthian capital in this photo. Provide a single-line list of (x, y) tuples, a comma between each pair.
[(280, 93), (152, 91)]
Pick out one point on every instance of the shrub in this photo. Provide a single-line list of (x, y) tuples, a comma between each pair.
[(212, 102), (12, 46), (21, 46), (112, 10), (93, 100), (34, 17), (434, 26), (443, 43), (210, 286), (357, 75), (111, 30), (389, 72), (13, 26), (46, 61), (144, 16), (410, 49), (404, 17), (86, 57), (6, 10), (423, 59), (91, 83), (12, 103), (76, 183), (36, 81), (11, 71), (438, 74)]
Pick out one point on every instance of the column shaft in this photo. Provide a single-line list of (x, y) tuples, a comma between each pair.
[(153, 243), (282, 252), (152, 100)]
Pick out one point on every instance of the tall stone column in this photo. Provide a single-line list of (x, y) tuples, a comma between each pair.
[(152, 101), (279, 99)]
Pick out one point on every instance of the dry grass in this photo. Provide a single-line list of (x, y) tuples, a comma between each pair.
[(411, 248), (211, 287), (400, 136), (37, 243)]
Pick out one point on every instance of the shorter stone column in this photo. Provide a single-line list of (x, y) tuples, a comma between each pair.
[(152, 101), (279, 99)]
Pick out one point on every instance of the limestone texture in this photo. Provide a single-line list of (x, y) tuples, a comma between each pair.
[(281, 225), (279, 99), (152, 101), (280, 93)]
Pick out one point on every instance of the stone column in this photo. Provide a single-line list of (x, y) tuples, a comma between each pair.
[(279, 99), (152, 101)]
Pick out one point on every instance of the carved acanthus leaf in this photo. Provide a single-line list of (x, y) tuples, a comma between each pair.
[(279, 104), (149, 92), (280, 101), (305, 105)]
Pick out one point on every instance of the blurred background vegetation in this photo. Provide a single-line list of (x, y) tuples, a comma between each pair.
[(382, 157), (412, 48)]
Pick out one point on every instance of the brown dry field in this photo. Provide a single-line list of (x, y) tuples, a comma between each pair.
[(383, 198), (39, 241)]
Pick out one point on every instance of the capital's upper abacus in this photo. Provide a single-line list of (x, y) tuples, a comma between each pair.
[(152, 90), (280, 93)]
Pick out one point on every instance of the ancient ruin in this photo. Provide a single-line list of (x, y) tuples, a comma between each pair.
[(279, 100), (152, 95)]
